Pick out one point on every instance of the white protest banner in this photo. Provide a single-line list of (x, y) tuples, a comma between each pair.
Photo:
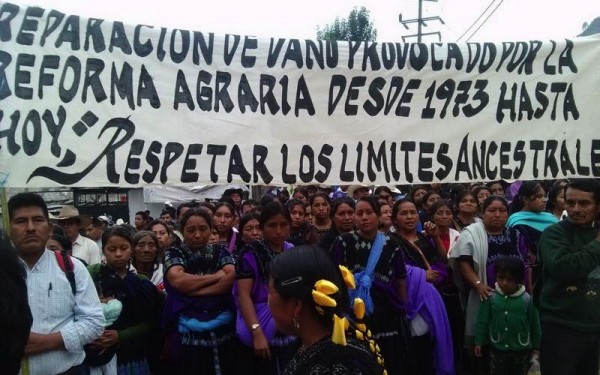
[(91, 102)]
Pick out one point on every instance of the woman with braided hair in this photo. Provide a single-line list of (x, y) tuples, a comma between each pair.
[(377, 262), (308, 298)]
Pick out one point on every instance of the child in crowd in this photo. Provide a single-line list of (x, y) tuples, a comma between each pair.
[(214, 237), (103, 361), (508, 322)]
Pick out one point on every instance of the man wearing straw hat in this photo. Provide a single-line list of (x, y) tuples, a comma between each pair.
[(72, 222), (358, 191)]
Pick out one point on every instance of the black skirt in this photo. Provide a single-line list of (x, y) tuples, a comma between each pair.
[(210, 353)]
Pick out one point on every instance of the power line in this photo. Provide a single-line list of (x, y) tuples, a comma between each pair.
[(487, 18), (421, 22), (477, 20)]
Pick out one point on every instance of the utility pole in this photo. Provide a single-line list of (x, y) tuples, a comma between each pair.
[(420, 23)]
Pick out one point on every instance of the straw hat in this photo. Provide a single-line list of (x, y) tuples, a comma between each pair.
[(354, 188), (70, 212)]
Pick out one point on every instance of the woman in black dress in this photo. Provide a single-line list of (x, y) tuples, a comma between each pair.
[(308, 298)]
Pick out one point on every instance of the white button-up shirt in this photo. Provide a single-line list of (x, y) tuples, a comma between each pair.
[(78, 318), (87, 250)]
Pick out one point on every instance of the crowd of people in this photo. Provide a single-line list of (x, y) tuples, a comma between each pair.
[(445, 279)]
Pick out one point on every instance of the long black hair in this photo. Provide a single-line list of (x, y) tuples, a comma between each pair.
[(396, 207), (243, 221), (460, 196), (555, 190), (338, 202), (293, 202), (527, 190), (373, 202), (273, 209), (15, 316), (439, 204), (295, 272), (197, 211), (320, 195), (491, 199), (116, 231)]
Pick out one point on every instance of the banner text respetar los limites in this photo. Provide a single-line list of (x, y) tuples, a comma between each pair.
[(88, 102)]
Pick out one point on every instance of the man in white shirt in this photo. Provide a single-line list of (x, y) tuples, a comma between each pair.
[(63, 320), (96, 228), (83, 248)]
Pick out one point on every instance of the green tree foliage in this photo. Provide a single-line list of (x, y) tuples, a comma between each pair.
[(357, 27), (591, 28)]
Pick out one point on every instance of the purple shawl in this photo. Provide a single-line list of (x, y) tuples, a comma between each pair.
[(259, 294), (424, 299)]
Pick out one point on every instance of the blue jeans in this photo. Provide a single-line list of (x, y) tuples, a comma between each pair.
[(565, 351)]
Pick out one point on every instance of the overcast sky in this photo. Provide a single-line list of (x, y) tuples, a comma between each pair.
[(508, 19)]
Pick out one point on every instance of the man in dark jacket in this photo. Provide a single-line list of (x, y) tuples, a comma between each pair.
[(570, 298)]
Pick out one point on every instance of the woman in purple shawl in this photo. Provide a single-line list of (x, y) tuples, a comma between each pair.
[(264, 350), (426, 304), (427, 253), (198, 315)]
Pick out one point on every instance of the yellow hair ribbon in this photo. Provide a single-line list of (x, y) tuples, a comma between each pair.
[(326, 286), (359, 335), (320, 294), (359, 308), (323, 299), (339, 330), (372, 346), (348, 277)]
